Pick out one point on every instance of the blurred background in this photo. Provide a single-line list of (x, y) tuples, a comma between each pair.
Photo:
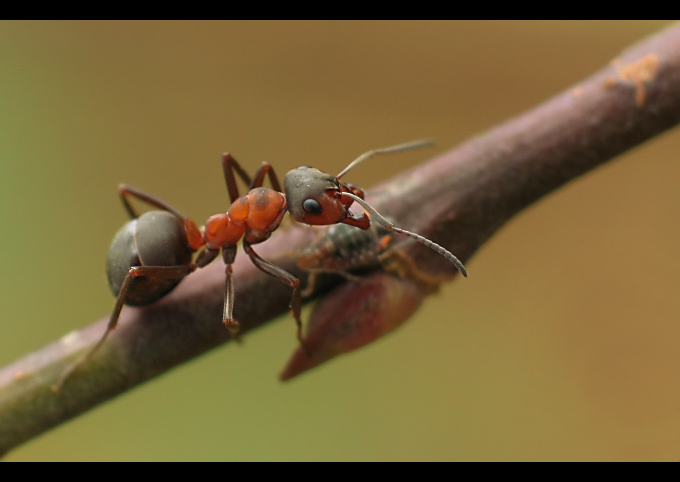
[(563, 344)]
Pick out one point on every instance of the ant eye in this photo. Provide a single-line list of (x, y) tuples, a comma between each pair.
[(312, 206)]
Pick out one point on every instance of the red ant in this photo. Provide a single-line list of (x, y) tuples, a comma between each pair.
[(153, 252)]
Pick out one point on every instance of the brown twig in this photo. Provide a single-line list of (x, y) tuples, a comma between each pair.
[(459, 200)]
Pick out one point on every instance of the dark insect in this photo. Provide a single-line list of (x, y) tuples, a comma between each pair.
[(344, 250)]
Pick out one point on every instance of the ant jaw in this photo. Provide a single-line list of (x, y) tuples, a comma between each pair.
[(361, 221)]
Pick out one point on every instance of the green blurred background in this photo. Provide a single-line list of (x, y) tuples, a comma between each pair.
[(564, 343)]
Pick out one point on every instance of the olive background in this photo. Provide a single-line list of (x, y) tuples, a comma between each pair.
[(563, 344)]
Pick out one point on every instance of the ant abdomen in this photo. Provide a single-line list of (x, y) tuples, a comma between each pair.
[(156, 238)]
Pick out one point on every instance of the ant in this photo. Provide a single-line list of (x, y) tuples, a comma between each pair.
[(153, 251)]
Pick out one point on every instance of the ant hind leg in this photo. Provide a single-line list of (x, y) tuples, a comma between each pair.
[(157, 272)]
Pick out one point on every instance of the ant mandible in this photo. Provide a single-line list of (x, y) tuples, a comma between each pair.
[(153, 251)]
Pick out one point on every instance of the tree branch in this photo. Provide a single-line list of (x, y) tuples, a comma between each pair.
[(458, 199)]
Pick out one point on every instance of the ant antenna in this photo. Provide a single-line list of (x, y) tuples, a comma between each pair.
[(384, 150), (390, 227)]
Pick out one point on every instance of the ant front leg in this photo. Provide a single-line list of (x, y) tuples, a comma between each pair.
[(285, 277)]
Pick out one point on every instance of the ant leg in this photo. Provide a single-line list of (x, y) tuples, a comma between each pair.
[(229, 254), (228, 311), (265, 169), (229, 166), (204, 258), (129, 191), (159, 272), (194, 235), (285, 277)]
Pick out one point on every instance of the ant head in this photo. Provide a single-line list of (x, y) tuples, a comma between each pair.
[(314, 197)]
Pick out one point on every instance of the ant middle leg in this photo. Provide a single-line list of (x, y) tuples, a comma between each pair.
[(263, 170), (206, 257), (228, 255)]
